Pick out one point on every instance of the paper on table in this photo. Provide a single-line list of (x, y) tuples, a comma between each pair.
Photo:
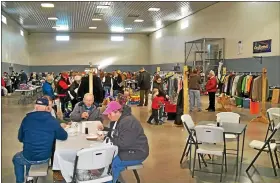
[(91, 125)]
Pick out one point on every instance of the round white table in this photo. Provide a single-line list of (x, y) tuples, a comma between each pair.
[(66, 151)]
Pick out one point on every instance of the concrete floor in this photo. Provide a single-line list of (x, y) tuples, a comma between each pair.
[(166, 146)]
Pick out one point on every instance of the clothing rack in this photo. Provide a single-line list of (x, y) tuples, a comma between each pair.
[(262, 117)]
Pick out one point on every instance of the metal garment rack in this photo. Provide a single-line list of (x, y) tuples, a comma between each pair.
[(205, 53)]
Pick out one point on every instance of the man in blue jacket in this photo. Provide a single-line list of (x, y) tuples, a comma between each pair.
[(37, 132)]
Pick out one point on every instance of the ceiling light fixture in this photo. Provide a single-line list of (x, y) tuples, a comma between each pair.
[(92, 27), (138, 20), (117, 38), (47, 5), (117, 29), (103, 6), (21, 33), (96, 19), (153, 9), (128, 28), (62, 38), (21, 20), (52, 18), (61, 28)]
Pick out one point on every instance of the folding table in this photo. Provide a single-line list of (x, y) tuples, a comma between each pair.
[(235, 129)]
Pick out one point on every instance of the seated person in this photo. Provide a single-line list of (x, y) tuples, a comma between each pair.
[(86, 110), (37, 132), (127, 133)]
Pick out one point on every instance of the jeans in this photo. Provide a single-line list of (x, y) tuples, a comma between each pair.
[(107, 89), (118, 166), (115, 93), (194, 99), (154, 116), (142, 94), (19, 163)]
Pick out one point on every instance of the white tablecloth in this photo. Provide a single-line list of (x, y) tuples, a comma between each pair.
[(65, 153)]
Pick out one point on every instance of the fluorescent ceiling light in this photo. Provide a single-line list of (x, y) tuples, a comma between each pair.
[(153, 9), (117, 38), (21, 33), (47, 5), (128, 28), (103, 6), (52, 18), (4, 19), (96, 19), (117, 29), (158, 34), (184, 24), (138, 20), (61, 28), (62, 38), (92, 27), (4, 4), (158, 24)]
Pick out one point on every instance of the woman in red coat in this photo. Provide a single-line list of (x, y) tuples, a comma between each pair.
[(211, 87)]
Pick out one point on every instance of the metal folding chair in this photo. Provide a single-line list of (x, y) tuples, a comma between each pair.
[(271, 120), (266, 146)]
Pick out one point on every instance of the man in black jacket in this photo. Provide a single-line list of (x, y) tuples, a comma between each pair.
[(144, 82)]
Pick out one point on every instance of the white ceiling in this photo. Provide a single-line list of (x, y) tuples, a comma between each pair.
[(78, 15)]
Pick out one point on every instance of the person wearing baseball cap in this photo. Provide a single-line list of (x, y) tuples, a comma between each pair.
[(38, 130), (127, 133)]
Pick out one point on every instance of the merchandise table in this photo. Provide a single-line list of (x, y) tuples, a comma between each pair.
[(27, 96), (235, 129), (66, 151)]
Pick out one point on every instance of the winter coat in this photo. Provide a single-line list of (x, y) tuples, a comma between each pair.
[(211, 85), (129, 136), (144, 80), (48, 90), (94, 113)]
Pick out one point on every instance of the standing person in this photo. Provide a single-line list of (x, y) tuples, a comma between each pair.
[(144, 82), (211, 87), (194, 90), (158, 100), (73, 90), (23, 77), (127, 133), (47, 87), (8, 82), (117, 82), (107, 83), (38, 131), (13, 79), (62, 89)]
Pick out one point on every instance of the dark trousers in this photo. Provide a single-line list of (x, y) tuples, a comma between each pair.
[(9, 88), (142, 93), (154, 116), (63, 104), (74, 102), (211, 100)]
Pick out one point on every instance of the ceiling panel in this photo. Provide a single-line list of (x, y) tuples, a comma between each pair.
[(78, 15)]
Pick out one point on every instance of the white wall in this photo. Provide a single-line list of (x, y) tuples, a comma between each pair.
[(84, 48), (14, 46), (234, 21)]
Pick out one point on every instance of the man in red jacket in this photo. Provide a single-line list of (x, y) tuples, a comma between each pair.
[(211, 87)]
